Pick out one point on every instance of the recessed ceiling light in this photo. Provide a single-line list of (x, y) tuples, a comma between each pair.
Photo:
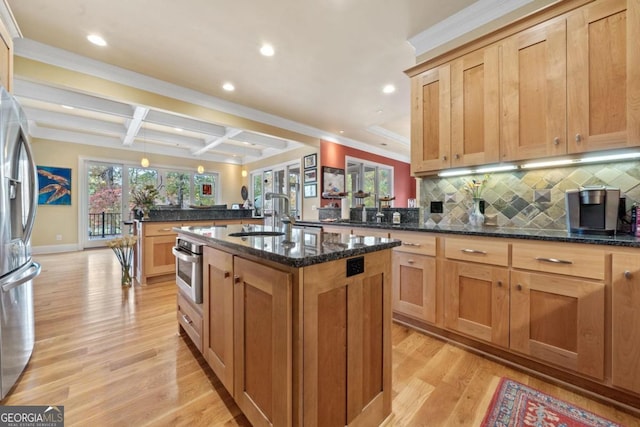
[(97, 40), (341, 131), (267, 50), (389, 89), (68, 107), (229, 87)]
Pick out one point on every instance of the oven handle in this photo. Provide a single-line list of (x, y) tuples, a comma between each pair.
[(182, 256)]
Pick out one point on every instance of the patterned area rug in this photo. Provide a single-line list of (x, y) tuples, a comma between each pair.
[(514, 405)]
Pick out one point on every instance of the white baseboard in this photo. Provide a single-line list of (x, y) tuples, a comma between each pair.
[(54, 249)]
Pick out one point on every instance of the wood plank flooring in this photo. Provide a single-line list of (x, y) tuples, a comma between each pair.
[(113, 357)]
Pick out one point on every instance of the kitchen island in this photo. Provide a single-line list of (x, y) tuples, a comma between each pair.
[(297, 327)]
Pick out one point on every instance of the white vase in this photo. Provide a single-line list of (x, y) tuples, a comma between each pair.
[(476, 218)]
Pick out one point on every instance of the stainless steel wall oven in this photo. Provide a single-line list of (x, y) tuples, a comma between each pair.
[(189, 268)]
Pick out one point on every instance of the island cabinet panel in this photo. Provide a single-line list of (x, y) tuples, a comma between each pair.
[(559, 320), (262, 343), (347, 323), (603, 65), (431, 120), (534, 104), (414, 285), (625, 364), (476, 299), (159, 259), (217, 278)]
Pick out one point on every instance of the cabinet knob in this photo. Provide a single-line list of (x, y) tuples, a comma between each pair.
[(556, 141), (578, 137), (444, 158), (236, 279), (627, 274), (226, 274), (457, 156), (499, 283), (519, 287)]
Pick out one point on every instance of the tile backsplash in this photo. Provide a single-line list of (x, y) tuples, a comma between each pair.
[(526, 199)]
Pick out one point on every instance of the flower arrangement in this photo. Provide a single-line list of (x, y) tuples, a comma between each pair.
[(123, 248), (143, 199), (475, 187)]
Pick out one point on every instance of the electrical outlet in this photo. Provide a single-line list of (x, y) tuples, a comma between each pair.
[(58, 236)]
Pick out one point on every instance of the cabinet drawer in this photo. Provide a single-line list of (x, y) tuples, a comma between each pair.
[(415, 242), (485, 251), (208, 223), (560, 258), (160, 229), (190, 320)]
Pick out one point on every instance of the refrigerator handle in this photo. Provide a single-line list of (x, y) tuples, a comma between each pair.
[(34, 186), (6, 284)]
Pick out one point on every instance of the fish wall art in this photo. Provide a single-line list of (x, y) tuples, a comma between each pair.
[(54, 185)]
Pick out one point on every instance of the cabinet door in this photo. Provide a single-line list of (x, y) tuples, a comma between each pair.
[(625, 363), (559, 320), (158, 258), (262, 343), (217, 282), (534, 105), (431, 120), (603, 69), (475, 108), (476, 300), (347, 347), (414, 286)]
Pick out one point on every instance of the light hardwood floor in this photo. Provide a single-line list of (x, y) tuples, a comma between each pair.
[(113, 357)]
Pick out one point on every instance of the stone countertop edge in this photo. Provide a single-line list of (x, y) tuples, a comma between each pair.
[(292, 256), (621, 240)]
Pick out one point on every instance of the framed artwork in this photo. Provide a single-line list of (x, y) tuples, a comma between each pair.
[(310, 161), (332, 180), (206, 190), (311, 175), (54, 185), (310, 190)]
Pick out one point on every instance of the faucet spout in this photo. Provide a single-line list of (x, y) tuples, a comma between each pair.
[(285, 218)]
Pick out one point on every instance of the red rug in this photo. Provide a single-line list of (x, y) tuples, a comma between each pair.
[(514, 405)]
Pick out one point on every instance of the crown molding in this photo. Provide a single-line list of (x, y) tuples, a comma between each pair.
[(9, 21), (468, 19)]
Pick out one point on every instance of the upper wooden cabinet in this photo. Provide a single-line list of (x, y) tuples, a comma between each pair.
[(534, 93), (562, 81), (603, 84)]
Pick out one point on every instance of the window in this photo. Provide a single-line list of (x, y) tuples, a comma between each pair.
[(206, 188), (283, 179), (373, 178)]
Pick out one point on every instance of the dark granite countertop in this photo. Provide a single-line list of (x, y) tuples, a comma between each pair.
[(489, 231), (168, 214), (308, 246)]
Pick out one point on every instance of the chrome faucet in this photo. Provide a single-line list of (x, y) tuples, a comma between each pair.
[(379, 214), (285, 218)]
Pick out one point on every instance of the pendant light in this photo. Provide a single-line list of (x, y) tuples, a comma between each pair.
[(200, 169), (145, 161)]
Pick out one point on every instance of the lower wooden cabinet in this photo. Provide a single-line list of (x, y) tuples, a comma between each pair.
[(414, 285), (625, 313), (158, 258), (217, 283), (476, 301), (190, 319), (559, 320)]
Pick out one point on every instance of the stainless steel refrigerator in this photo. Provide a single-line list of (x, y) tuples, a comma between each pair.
[(18, 201)]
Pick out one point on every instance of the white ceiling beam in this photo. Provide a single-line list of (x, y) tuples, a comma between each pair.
[(175, 121), (267, 141), (32, 90), (209, 144), (134, 125), (150, 136), (62, 120), (238, 150)]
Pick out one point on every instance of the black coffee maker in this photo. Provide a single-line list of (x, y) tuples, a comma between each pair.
[(592, 210)]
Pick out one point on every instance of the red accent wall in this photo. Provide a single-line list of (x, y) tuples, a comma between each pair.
[(404, 185)]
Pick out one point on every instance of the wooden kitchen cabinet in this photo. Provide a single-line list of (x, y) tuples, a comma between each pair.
[(262, 327), (559, 320), (414, 276), (431, 120), (159, 259), (475, 108), (476, 301), (625, 313), (217, 284), (534, 101), (190, 319), (347, 329), (603, 69)]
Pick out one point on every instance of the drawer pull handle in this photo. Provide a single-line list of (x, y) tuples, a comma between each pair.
[(410, 261), (473, 251), (165, 229), (410, 244), (186, 319), (627, 274), (554, 260)]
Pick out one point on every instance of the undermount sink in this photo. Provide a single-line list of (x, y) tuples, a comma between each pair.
[(256, 233)]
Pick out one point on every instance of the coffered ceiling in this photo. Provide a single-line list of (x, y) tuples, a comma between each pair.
[(332, 59)]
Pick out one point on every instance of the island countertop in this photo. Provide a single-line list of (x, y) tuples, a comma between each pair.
[(308, 245)]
